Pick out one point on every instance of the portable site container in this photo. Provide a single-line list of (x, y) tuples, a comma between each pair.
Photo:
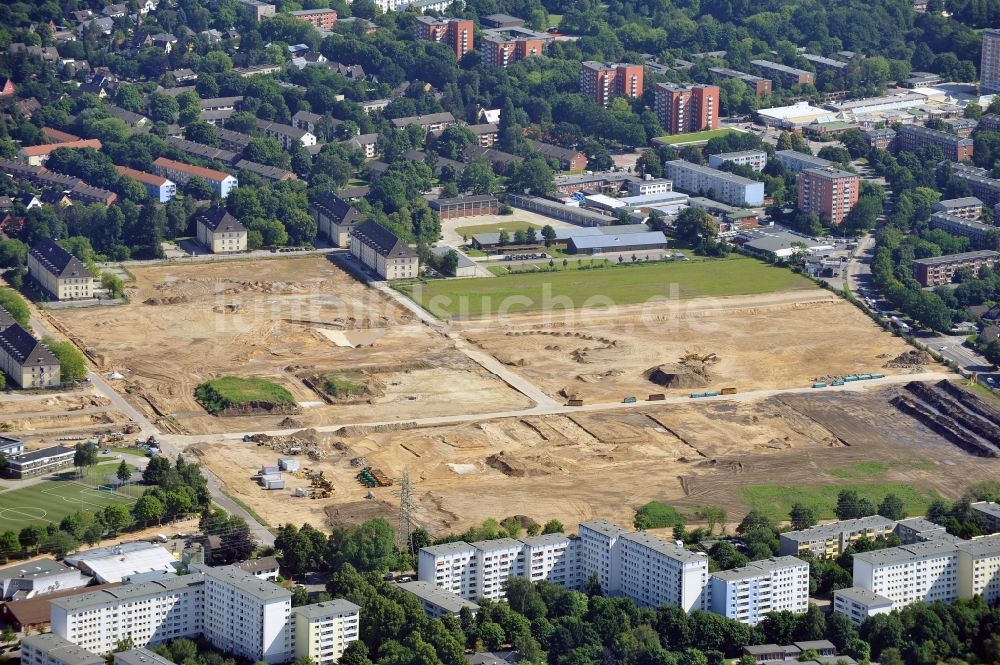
[(850, 378), (655, 397), (878, 376), (278, 484), (629, 400), (710, 393), (819, 384), (288, 464)]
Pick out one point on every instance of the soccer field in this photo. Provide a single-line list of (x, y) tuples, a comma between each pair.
[(620, 285), (50, 501)]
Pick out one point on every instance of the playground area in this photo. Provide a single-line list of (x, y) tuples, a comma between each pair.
[(49, 501)]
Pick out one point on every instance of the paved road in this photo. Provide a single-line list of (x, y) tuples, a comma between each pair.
[(859, 268)]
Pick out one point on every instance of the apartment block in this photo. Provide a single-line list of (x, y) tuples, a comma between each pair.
[(505, 46), (437, 602), (990, 512), (259, 10), (599, 553), (247, 616), (717, 185), (879, 138), (761, 86), (978, 233), (656, 572), (457, 33), (51, 649), (796, 161), (938, 270), (830, 540), (381, 251), (323, 630), (451, 567), (918, 530), (828, 192), (140, 657), (324, 19), (979, 568), (335, 218), (966, 207), (600, 81), (36, 155), (159, 188), (496, 560), (687, 108), (755, 159), (989, 64), (149, 613), (954, 147), (926, 572), (286, 135), (984, 187), (222, 183), (220, 232), (858, 604), (553, 557), (58, 272), (747, 594), (787, 76)]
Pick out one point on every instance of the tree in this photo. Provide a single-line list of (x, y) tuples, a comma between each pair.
[(553, 526), (549, 234), (9, 544), (162, 108), (7, 636), (892, 507), (61, 543), (802, 516), (449, 262), (72, 364), (755, 520), (503, 238), (533, 176), (369, 547), (12, 301), (116, 517), (124, 472), (492, 635), (156, 471), (694, 224), (237, 542), (148, 509), (478, 178), (85, 454), (30, 537)]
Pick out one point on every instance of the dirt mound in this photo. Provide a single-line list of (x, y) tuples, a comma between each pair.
[(910, 359), (166, 300), (517, 467), (289, 423), (680, 375)]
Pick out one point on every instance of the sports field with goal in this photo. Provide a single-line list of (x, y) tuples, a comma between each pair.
[(52, 500)]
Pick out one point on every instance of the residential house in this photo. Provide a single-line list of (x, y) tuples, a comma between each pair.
[(220, 232), (335, 218), (27, 361), (59, 272), (380, 250)]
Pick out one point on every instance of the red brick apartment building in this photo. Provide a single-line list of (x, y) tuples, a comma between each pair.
[(324, 19), (603, 80), (687, 108), (829, 192), (507, 46), (939, 270), (455, 32)]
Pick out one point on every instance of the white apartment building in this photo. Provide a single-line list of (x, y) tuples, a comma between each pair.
[(451, 567), (655, 572), (381, 251), (649, 185), (990, 512), (907, 574), (247, 616), (553, 557), (436, 602), (599, 553), (716, 185), (141, 657), (323, 630), (496, 560), (796, 161), (149, 613), (747, 594), (979, 568), (859, 604), (51, 649), (755, 159)]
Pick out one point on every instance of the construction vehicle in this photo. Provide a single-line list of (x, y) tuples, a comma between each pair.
[(247, 438), (131, 428), (729, 391), (697, 395)]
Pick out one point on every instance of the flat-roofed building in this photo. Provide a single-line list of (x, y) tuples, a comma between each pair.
[(748, 594), (612, 243), (58, 272), (918, 530), (246, 616), (324, 19), (601, 81), (880, 138), (967, 207), (979, 568), (437, 602), (828, 192), (922, 572), (830, 540), (989, 64), (220, 232), (140, 656), (796, 161), (955, 148), (9, 446), (335, 218), (324, 630), (380, 250), (430, 122), (794, 116), (554, 558), (466, 206), (41, 576), (984, 187), (858, 604), (51, 649), (989, 511), (451, 567), (649, 185), (655, 572), (39, 462), (257, 9), (978, 233), (755, 159), (788, 76), (457, 33), (760, 85), (687, 108), (179, 172), (719, 185), (937, 270), (504, 46)]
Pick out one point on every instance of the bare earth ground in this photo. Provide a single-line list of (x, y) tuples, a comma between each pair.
[(38, 418), (280, 320), (781, 340), (580, 466)]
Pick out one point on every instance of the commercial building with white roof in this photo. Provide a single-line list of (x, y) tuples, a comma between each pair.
[(720, 185), (112, 564), (796, 115)]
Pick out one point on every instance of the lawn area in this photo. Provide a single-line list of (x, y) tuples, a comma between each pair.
[(49, 502), (621, 285), (861, 470), (509, 227), (555, 20), (227, 391), (693, 137), (776, 501)]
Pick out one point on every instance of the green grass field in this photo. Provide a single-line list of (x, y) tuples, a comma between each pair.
[(226, 391), (509, 227), (860, 470), (49, 502), (618, 285), (693, 137), (776, 501)]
